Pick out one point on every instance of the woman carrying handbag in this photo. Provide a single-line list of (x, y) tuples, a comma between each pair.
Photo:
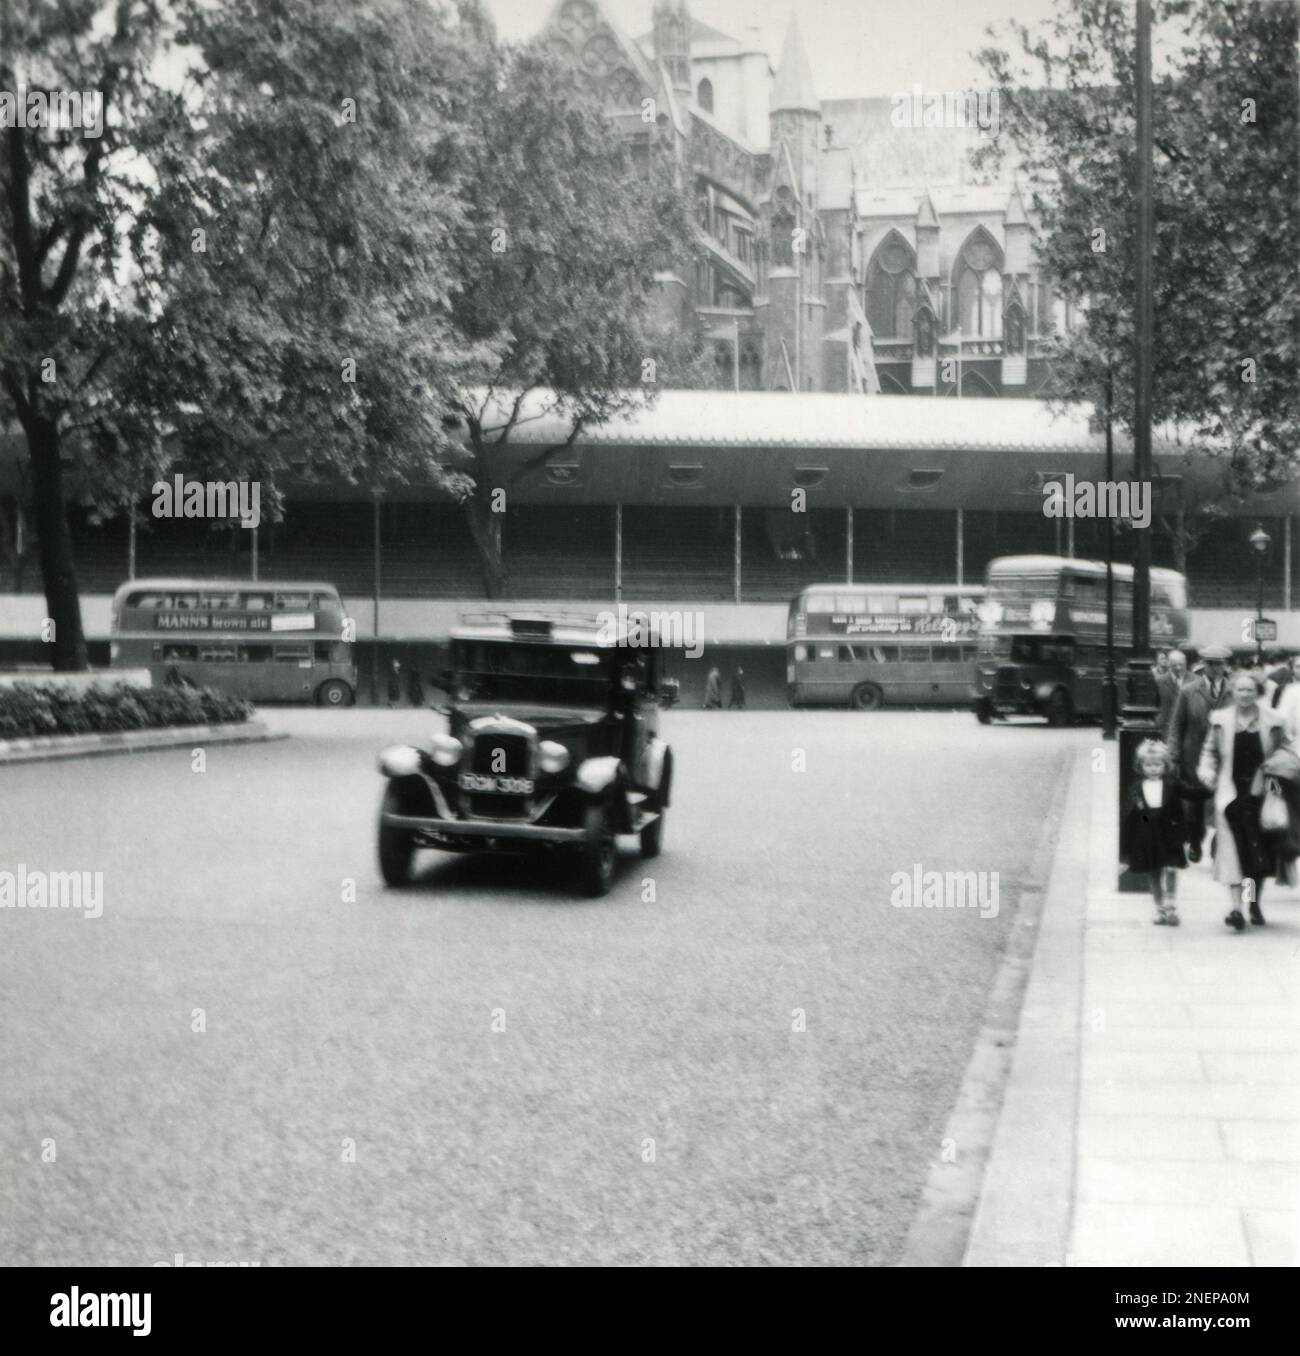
[(1240, 737)]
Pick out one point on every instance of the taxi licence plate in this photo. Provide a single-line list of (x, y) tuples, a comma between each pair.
[(504, 786)]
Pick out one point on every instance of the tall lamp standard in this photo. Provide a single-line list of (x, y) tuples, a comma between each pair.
[(1261, 541)]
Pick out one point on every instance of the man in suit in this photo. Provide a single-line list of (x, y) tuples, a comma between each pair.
[(1168, 685), (1284, 675), (1188, 723)]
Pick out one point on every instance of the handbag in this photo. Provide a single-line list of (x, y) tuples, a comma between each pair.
[(1273, 814)]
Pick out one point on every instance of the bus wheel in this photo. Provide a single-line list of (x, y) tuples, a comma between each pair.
[(334, 693), (984, 713), (867, 697), (1058, 709)]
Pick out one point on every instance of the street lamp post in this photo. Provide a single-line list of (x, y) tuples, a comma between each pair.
[(1261, 541), (1138, 716)]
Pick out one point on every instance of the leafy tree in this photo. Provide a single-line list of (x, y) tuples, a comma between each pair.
[(482, 231), (280, 255), (68, 326), (568, 223), (1227, 233), (301, 241)]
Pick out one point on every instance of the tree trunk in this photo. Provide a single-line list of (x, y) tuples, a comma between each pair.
[(54, 546), (485, 528)]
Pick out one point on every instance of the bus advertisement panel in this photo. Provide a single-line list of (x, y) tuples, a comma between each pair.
[(872, 645), (1042, 637), (274, 642)]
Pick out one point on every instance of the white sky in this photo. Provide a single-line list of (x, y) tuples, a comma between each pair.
[(855, 47)]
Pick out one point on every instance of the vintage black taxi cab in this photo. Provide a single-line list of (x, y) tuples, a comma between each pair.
[(552, 742)]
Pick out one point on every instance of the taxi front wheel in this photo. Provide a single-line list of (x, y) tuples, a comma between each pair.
[(396, 846), (652, 837), (597, 853)]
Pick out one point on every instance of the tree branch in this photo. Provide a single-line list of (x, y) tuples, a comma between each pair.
[(20, 212), (80, 229), (540, 458)]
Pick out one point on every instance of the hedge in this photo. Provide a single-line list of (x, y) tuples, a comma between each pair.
[(30, 709)]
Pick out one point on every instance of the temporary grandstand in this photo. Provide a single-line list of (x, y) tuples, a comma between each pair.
[(722, 500)]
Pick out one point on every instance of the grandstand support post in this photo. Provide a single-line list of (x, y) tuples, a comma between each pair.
[(848, 543), (1069, 538), (736, 557), (961, 546), (253, 562), (1286, 562), (374, 645), (618, 553), (130, 538)]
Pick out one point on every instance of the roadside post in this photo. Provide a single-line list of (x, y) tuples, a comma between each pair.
[(1137, 722)]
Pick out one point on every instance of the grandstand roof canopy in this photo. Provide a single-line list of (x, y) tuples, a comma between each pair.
[(825, 420)]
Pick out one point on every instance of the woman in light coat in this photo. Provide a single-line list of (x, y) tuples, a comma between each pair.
[(1240, 737)]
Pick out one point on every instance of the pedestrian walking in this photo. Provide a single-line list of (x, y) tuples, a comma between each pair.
[(1240, 737), (1168, 685), (1286, 700), (394, 684), (415, 687), (1198, 698), (736, 702), (1280, 819), (1152, 830), (1267, 687), (713, 690), (1282, 674)]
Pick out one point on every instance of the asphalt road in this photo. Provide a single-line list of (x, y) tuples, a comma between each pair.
[(649, 1099)]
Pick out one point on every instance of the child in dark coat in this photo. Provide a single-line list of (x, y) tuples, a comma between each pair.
[(1152, 830)]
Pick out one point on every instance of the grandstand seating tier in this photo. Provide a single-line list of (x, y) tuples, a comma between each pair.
[(679, 554)]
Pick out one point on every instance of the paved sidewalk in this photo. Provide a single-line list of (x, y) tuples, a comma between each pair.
[(1152, 1114)]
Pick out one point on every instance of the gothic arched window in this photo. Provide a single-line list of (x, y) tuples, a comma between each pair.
[(622, 89), (783, 228), (891, 289), (783, 239), (703, 214), (979, 288), (704, 95)]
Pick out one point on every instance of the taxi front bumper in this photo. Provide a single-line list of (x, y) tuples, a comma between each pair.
[(425, 826)]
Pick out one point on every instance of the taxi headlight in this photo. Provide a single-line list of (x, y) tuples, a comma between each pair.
[(552, 757), (399, 760), (446, 750), (1043, 691)]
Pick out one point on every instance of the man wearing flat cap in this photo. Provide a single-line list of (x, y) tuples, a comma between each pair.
[(1191, 719)]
